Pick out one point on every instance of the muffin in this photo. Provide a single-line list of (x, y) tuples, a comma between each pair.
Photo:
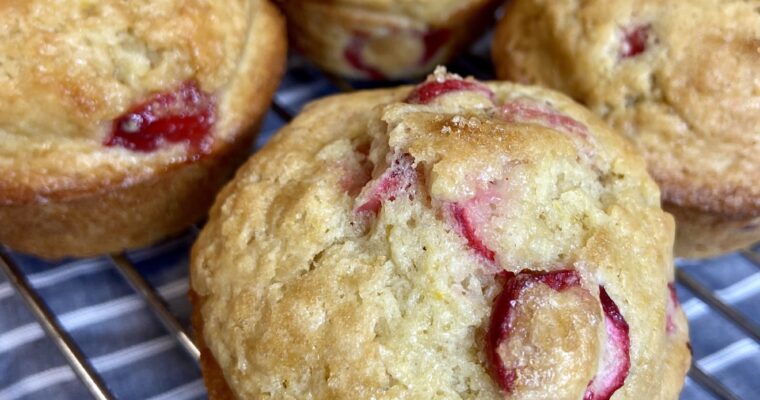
[(678, 78), (120, 121), (384, 39), (454, 240)]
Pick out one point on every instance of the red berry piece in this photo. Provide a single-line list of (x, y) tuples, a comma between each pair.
[(672, 307), (433, 40), (398, 178), (429, 91), (529, 111), (634, 41), (185, 115), (353, 55), (506, 315), (470, 216), (617, 358), (466, 229)]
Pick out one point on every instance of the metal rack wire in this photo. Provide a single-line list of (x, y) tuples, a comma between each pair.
[(706, 295), (94, 383)]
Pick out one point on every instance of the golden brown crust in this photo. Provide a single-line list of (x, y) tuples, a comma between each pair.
[(114, 206), (688, 100), (703, 235), (216, 386), (68, 69), (387, 38), (119, 218)]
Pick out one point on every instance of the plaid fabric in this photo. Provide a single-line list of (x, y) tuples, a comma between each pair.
[(139, 360)]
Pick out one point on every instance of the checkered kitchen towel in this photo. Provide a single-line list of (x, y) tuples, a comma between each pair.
[(138, 359)]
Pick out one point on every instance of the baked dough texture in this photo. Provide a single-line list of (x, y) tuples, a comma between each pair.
[(384, 39), (69, 69), (457, 240), (678, 78)]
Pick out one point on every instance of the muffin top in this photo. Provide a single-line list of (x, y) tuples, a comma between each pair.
[(455, 240), (679, 78), (105, 85), (430, 11)]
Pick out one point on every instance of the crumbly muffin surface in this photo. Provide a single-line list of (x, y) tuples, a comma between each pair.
[(679, 78), (68, 69), (377, 247)]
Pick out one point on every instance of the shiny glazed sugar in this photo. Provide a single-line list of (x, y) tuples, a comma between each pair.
[(481, 258), (185, 115)]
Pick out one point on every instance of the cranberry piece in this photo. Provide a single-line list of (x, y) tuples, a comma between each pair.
[(528, 111), (353, 55), (433, 40), (429, 91), (465, 226), (185, 115), (634, 41), (671, 309), (617, 358), (468, 216), (502, 315), (397, 178)]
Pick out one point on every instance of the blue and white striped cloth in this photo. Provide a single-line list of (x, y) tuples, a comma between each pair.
[(138, 359)]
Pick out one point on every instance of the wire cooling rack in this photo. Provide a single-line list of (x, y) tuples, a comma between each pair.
[(721, 298)]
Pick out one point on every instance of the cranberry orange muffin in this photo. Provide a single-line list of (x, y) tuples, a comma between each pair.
[(120, 120), (678, 78), (384, 39), (456, 240)]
